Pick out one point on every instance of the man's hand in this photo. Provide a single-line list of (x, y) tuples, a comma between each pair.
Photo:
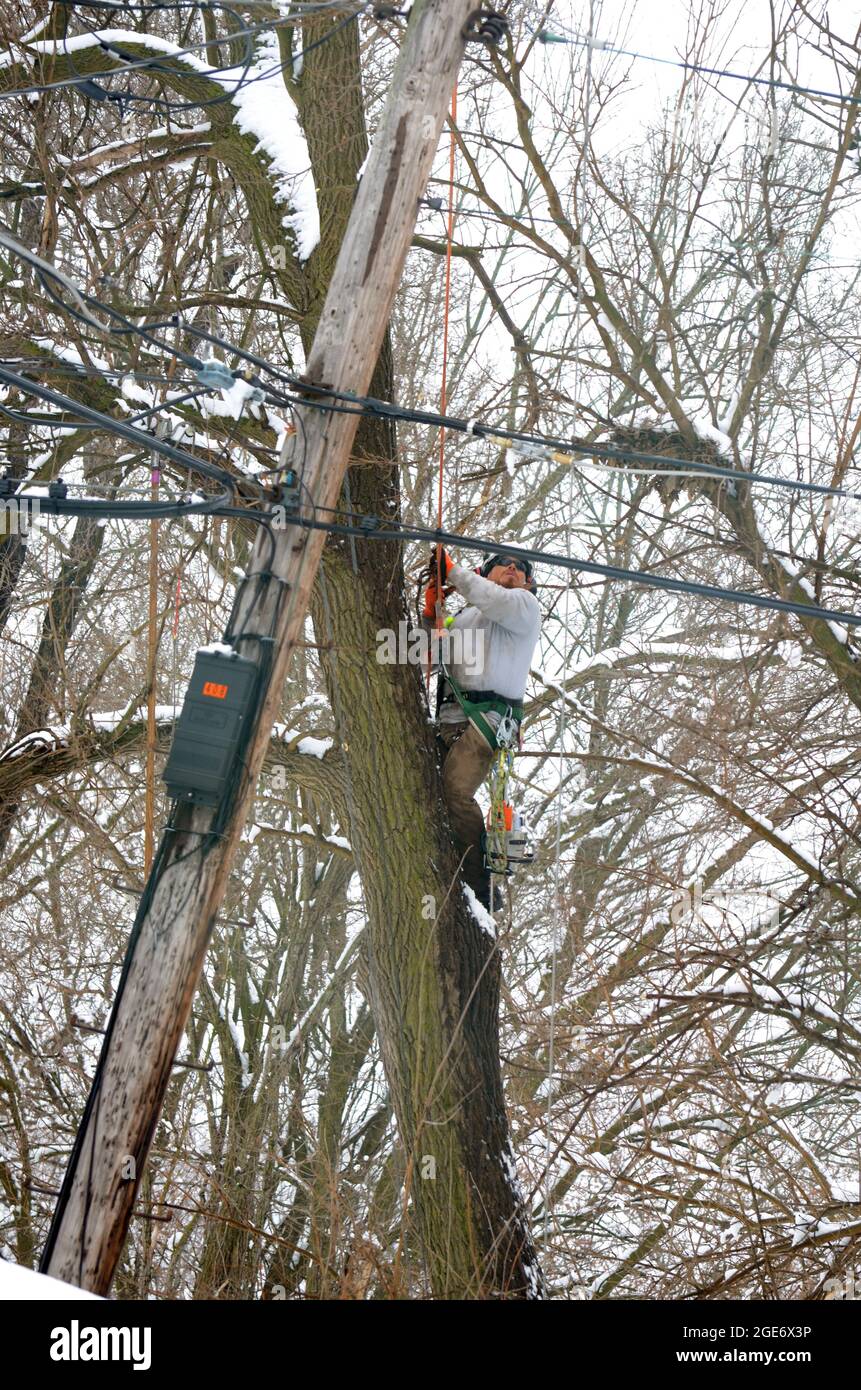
[(437, 570), (432, 597), (440, 563)]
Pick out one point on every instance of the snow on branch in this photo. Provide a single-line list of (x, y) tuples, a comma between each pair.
[(262, 109)]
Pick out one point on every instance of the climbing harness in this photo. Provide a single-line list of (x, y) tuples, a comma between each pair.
[(477, 703), (507, 840)]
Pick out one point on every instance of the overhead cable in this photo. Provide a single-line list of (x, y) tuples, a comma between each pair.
[(316, 397), (125, 431), (156, 64), (589, 41)]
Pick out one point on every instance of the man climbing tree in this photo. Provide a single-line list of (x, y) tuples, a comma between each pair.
[(481, 686)]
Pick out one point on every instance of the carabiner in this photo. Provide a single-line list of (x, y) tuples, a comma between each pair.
[(507, 731)]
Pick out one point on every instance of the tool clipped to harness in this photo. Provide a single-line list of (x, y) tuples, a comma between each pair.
[(507, 840), (518, 842), (508, 730), (508, 846)]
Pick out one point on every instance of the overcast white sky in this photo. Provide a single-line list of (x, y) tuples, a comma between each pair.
[(739, 37)]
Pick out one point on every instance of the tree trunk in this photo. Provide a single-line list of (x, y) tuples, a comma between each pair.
[(433, 981), (433, 972)]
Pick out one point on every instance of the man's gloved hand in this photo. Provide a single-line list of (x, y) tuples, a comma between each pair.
[(432, 597), (440, 563)]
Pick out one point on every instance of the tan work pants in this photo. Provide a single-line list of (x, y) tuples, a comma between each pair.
[(466, 765)]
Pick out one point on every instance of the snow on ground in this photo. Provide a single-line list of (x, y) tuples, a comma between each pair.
[(18, 1284)]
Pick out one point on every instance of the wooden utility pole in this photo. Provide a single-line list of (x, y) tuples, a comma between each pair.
[(187, 884)]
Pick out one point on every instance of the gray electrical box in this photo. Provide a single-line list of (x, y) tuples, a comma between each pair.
[(211, 727)]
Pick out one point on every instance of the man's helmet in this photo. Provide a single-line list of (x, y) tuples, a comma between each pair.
[(505, 557)]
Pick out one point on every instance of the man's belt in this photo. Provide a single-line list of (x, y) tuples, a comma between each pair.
[(476, 703), (481, 697)]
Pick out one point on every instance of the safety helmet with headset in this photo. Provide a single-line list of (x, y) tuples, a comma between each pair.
[(504, 557)]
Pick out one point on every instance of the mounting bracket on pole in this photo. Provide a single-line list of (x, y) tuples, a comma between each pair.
[(485, 26)]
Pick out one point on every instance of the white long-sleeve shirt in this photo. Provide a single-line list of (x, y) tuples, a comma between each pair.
[(497, 654)]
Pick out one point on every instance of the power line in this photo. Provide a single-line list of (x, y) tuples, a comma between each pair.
[(369, 528), (352, 403), (300, 7), (133, 64), (374, 528), (65, 367), (546, 446), (560, 450), (546, 36), (88, 85), (541, 446), (217, 505), (128, 432)]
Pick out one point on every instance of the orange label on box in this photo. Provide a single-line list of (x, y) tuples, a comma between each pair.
[(217, 692)]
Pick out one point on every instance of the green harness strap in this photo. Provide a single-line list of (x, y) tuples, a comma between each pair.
[(475, 711)]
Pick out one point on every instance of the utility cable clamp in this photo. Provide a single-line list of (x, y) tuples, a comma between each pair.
[(485, 26)]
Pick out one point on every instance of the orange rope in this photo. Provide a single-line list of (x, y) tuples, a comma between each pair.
[(444, 388), (444, 391)]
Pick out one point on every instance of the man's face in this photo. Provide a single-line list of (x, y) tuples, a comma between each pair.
[(507, 573)]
